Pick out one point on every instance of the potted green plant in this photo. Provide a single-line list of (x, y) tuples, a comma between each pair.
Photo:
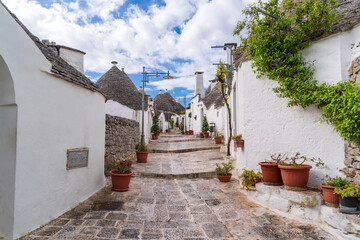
[(218, 138), (328, 186), (348, 197), (249, 178), (171, 121), (120, 175), (271, 171), (294, 173), (141, 152), (155, 129), (238, 141), (205, 127), (223, 171)]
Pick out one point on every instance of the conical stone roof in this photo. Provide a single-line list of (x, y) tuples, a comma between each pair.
[(166, 103), (117, 86)]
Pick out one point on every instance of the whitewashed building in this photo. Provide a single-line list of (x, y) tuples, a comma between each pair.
[(52, 130), (209, 103), (269, 126), (124, 99)]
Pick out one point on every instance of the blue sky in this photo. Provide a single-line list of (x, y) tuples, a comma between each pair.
[(161, 35)]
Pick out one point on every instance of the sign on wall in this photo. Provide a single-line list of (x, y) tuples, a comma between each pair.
[(77, 158)]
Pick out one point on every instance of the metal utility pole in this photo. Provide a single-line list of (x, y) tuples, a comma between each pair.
[(145, 80)]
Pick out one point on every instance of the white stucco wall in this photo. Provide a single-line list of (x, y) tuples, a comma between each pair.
[(117, 109), (269, 126), (163, 124), (74, 58), (53, 115), (216, 116), (197, 108)]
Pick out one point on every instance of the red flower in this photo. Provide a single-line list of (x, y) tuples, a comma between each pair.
[(330, 119), (312, 20)]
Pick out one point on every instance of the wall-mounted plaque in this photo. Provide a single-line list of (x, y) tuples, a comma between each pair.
[(77, 158)]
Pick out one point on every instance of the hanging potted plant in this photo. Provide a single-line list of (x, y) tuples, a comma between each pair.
[(155, 129), (120, 175), (205, 127), (223, 171), (328, 186), (218, 139), (141, 152), (271, 171), (348, 197), (238, 141), (249, 178), (294, 173)]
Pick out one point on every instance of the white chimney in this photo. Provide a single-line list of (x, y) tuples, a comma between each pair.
[(199, 85), (72, 56), (160, 92), (114, 63)]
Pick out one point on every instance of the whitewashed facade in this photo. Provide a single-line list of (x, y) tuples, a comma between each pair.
[(41, 117), (269, 126)]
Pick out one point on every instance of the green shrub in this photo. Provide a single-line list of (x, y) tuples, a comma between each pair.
[(155, 129), (205, 125), (249, 178)]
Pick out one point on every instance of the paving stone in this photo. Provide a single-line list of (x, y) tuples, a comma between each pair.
[(215, 230), (116, 216), (191, 232), (172, 234), (105, 223), (108, 232), (90, 230), (48, 231), (200, 209), (95, 215), (59, 222), (67, 232), (75, 222), (202, 218), (129, 234)]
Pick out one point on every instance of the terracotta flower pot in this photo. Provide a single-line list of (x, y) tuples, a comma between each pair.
[(271, 174), (182, 132), (186, 132), (141, 157), (239, 143), (218, 139), (191, 132), (331, 199), (224, 178), (155, 136), (202, 135), (348, 204), (120, 182), (295, 178), (206, 135), (160, 130)]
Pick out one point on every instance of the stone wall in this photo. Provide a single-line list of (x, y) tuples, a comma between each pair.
[(352, 150), (121, 137)]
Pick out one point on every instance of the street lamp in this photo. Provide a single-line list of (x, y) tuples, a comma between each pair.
[(184, 98), (146, 76)]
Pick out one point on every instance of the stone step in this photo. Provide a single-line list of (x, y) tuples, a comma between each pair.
[(176, 176), (179, 140), (184, 150)]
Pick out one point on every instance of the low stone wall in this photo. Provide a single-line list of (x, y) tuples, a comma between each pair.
[(120, 139), (352, 150)]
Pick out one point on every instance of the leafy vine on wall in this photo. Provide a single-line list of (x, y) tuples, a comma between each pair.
[(275, 43)]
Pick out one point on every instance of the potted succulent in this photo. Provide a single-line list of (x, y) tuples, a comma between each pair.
[(218, 139), (271, 171), (294, 173), (223, 171), (328, 186), (205, 127), (348, 197), (120, 175), (141, 152), (238, 141), (249, 178), (155, 129)]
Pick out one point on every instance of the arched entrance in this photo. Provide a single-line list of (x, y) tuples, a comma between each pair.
[(8, 122)]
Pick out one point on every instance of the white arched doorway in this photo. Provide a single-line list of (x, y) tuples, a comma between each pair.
[(8, 122)]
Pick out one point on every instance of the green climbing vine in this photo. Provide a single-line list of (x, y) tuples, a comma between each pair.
[(275, 43)]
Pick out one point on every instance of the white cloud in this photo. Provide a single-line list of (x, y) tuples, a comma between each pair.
[(139, 38)]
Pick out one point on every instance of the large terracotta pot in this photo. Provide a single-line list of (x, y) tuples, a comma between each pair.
[(331, 199), (239, 143), (120, 182), (187, 133), (295, 178), (218, 139), (348, 204), (155, 136), (206, 135), (182, 132), (202, 135), (141, 157), (224, 178), (191, 132), (271, 174)]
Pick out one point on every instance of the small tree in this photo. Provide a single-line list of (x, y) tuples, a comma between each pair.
[(171, 121), (205, 125), (177, 122), (155, 129), (225, 89)]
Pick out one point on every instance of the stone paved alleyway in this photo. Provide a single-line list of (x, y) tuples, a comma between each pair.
[(180, 208)]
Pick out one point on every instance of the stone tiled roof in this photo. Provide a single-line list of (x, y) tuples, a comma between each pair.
[(214, 97), (350, 16), (60, 67), (117, 86), (166, 103)]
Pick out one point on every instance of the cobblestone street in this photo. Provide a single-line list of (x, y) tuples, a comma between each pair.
[(176, 208)]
